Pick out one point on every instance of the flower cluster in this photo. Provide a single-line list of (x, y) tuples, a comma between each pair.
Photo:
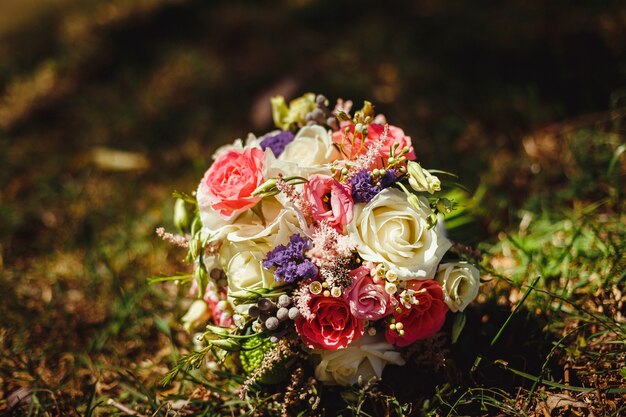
[(290, 262), (326, 234)]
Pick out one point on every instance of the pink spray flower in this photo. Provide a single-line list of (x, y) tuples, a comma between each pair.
[(221, 311)]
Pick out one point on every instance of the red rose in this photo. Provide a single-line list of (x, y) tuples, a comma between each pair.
[(331, 325), (227, 186), (422, 313)]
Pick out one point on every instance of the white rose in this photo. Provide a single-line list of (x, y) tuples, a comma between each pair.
[(242, 263), (365, 357), (246, 246), (310, 152), (460, 282), (391, 231), (280, 223), (215, 227)]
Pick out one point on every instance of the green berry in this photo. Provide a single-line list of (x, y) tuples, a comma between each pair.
[(252, 359)]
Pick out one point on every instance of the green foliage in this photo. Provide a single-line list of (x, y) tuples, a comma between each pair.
[(251, 356)]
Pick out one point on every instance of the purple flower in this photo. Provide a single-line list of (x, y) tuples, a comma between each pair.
[(290, 262), (389, 178), (362, 188), (277, 142)]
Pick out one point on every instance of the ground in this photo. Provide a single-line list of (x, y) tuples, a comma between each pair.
[(106, 107)]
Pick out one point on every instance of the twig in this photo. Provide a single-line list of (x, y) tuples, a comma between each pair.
[(186, 403), (123, 408)]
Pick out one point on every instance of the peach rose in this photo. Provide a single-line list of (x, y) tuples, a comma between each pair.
[(228, 184), (354, 146)]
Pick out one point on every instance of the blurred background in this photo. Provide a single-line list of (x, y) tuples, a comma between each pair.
[(106, 107)]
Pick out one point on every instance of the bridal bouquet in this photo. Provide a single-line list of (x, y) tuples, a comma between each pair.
[(319, 246)]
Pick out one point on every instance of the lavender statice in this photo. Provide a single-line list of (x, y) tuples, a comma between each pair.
[(362, 188), (290, 262), (277, 142), (389, 178)]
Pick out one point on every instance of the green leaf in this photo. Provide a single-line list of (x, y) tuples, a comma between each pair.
[(457, 326), (517, 307), (186, 197), (440, 172), (616, 155), (162, 325), (181, 277), (225, 332), (551, 384)]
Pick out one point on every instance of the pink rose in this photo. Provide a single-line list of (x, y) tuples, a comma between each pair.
[(353, 144), (221, 312), (424, 315), (330, 201), (331, 325), (228, 184), (368, 300)]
